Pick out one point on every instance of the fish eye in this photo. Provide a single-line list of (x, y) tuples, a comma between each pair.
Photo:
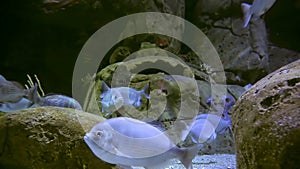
[(99, 133), (227, 100)]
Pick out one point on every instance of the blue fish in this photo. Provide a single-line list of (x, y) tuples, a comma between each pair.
[(114, 98), (221, 120), (127, 142), (20, 105), (226, 104), (55, 100)]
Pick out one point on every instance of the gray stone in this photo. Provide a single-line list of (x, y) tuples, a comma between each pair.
[(266, 121), (47, 137)]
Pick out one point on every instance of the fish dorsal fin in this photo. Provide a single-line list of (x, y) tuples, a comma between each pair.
[(32, 95), (104, 88), (246, 8)]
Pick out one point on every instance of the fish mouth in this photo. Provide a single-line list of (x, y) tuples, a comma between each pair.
[(93, 146)]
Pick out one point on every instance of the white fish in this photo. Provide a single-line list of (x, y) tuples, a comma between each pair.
[(115, 98), (258, 8), (202, 131), (128, 142), (11, 91), (220, 124)]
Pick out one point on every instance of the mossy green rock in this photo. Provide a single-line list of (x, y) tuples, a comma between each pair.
[(266, 121), (47, 137)]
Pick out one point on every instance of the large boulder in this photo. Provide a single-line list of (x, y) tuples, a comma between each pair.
[(266, 121), (47, 137)]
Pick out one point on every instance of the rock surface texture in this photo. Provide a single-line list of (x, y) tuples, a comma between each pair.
[(43, 138), (266, 121)]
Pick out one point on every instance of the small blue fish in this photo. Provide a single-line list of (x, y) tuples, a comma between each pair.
[(222, 121), (226, 103), (127, 142), (114, 98), (11, 91), (20, 105), (258, 8), (55, 100)]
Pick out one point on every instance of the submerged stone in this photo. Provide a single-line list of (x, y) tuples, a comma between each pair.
[(266, 121), (47, 137)]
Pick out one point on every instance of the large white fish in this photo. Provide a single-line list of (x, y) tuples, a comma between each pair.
[(127, 142), (258, 8)]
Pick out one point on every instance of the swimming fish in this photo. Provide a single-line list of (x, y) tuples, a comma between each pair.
[(226, 102), (20, 105), (220, 124), (128, 142), (114, 98), (258, 8), (11, 91), (55, 100), (221, 120), (202, 130)]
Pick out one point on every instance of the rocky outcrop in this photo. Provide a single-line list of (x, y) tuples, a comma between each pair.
[(266, 121), (47, 137)]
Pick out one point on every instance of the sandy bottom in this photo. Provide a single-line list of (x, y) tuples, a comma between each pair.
[(217, 161)]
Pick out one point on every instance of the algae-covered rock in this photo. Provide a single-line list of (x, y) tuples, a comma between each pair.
[(266, 121), (47, 137)]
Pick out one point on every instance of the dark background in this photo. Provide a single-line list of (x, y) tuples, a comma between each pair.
[(47, 44)]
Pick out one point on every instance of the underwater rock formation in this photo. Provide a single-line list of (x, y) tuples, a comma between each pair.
[(266, 121), (47, 137), (243, 51)]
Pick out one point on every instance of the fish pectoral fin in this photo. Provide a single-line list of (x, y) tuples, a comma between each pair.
[(138, 103), (246, 8)]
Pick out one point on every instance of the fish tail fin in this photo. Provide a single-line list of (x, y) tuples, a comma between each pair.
[(32, 94), (188, 154), (247, 13), (145, 91)]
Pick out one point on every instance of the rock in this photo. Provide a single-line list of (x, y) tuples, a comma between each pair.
[(47, 137), (266, 121), (243, 51), (276, 60)]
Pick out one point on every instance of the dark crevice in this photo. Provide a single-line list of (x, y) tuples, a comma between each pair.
[(269, 101), (293, 82)]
